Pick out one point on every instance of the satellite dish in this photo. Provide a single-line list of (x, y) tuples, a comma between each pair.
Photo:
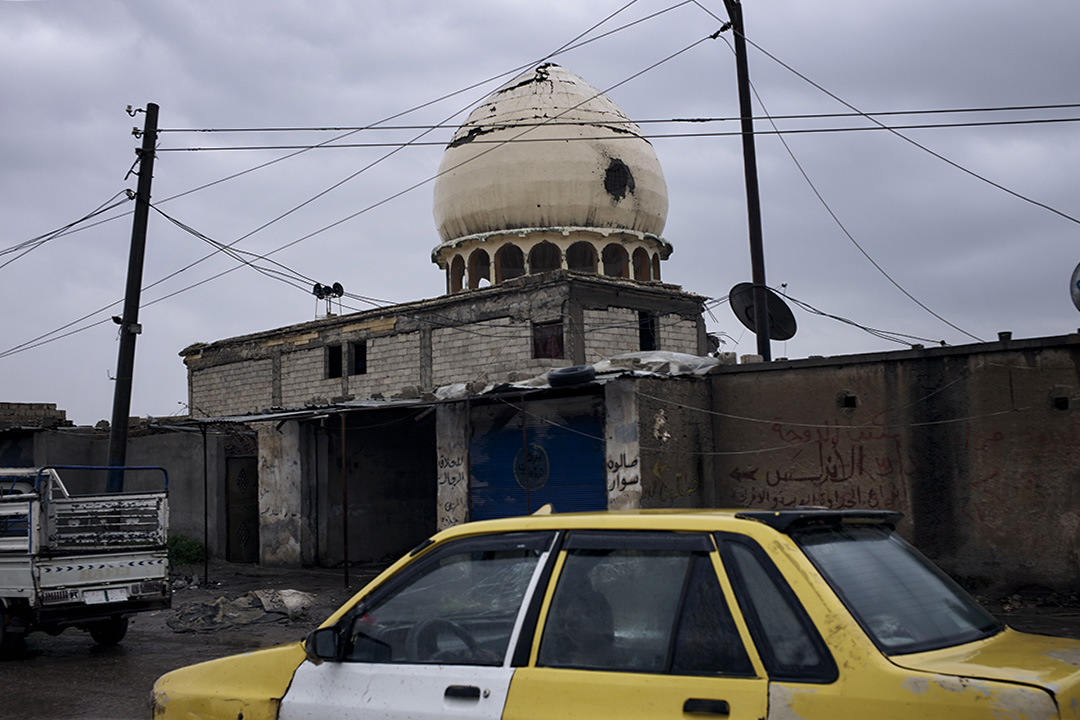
[(1074, 287), (781, 321)]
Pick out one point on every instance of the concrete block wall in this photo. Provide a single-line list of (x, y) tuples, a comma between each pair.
[(303, 378), (678, 334), (393, 362), (610, 332), (469, 352), (232, 389), (31, 415)]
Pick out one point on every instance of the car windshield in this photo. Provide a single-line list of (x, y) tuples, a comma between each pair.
[(904, 602)]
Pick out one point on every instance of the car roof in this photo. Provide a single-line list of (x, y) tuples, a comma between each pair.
[(677, 520)]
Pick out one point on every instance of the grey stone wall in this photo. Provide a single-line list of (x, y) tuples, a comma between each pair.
[(393, 363), (481, 335), (610, 331), (232, 389), (43, 415)]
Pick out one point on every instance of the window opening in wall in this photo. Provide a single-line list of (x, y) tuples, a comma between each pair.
[(656, 267), (457, 274), (333, 361), (642, 267), (616, 261), (548, 340), (479, 268), (509, 263), (358, 351), (647, 331), (544, 257), (581, 257)]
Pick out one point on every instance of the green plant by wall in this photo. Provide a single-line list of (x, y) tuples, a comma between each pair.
[(184, 550)]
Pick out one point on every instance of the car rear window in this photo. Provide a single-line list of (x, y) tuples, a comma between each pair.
[(903, 601)]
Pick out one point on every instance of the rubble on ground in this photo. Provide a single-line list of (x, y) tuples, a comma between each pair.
[(256, 606)]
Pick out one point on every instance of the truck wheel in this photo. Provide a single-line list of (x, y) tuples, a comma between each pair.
[(109, 632), (11, 644)]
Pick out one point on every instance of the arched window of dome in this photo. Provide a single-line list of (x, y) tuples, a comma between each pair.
[(509, 263), (544, 257), (656, 267), (616, 261), (479, 268), (457, 274), (642, 266), (581, 257)]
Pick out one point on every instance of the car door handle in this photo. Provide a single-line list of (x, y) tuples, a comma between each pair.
[(699, 706), (462, 692)]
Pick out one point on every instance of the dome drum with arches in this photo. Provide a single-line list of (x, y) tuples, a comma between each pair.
[(546, 174)]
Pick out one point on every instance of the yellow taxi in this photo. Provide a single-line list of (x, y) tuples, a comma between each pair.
[(652, 614)]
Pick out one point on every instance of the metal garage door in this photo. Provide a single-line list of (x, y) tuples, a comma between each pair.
[(525, 455)]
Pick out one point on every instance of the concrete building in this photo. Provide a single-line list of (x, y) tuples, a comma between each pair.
[(549, 206), (377, 428)]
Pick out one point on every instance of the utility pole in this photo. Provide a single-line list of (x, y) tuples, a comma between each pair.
[(753, 201), (129, 324)]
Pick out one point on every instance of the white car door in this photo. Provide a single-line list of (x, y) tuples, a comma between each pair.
[(435, 641)]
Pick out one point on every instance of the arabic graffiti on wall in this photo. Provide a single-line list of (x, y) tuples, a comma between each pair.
[(453, 490), (622, 473), (669, 487), (833, 465), (452, 466)]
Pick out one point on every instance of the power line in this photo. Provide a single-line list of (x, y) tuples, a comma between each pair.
[(32, 244), (890, 335), (859, 247), (647, 136), (304, 283), (399, 193), (651, 121), (905, 138)]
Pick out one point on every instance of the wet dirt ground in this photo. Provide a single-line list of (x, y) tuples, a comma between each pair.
[(68, 676)]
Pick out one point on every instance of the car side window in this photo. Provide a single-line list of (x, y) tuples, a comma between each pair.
[(790, 646), (457, 607), (707, 642), (641, 602)]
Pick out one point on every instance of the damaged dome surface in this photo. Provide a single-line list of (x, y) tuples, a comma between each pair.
[(548, 150)]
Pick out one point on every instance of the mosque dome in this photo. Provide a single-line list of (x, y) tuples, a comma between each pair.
[(554, 168)]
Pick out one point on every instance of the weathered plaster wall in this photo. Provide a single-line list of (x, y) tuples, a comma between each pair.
[(280, 501), (622, 446), (452, 451), (180, 453), (979, 449), (676, 442)]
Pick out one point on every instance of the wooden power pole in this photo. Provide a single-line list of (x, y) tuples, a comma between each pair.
[(129, 324), (753, 201)]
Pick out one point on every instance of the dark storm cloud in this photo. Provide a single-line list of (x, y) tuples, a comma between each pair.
[(983, 259)]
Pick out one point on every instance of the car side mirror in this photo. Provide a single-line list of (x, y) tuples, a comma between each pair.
[(323, 644)]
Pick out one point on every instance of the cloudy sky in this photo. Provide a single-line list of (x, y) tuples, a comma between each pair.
[(966, 223)]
